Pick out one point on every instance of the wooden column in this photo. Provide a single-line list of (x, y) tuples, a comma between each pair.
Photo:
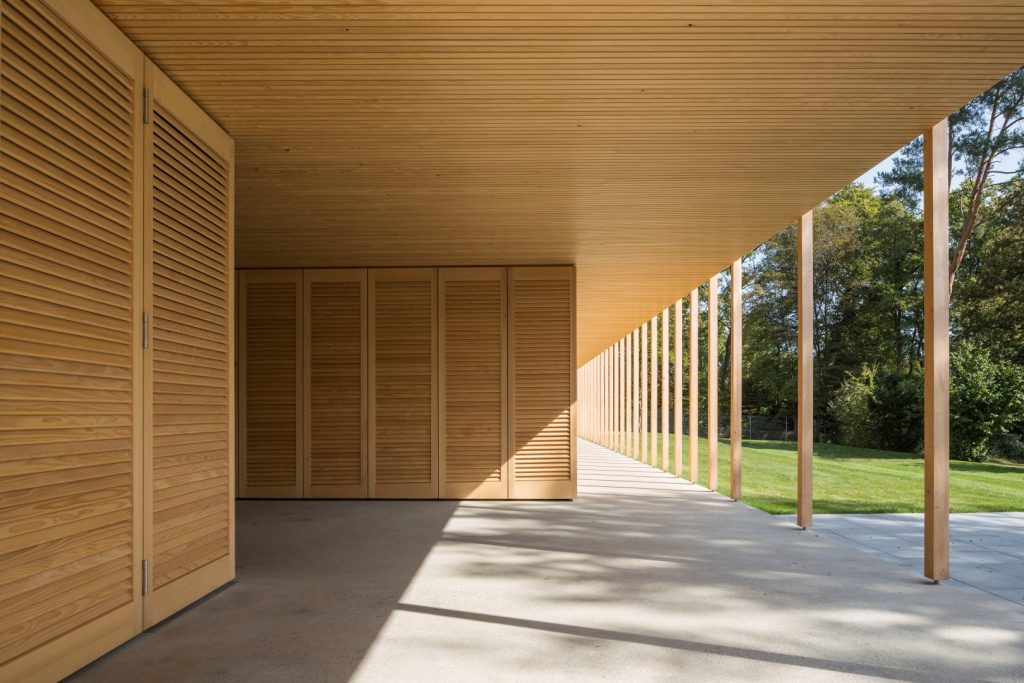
[(736, 383), (652, 456), (936, 351), (664, 391), (627, 395), (643, 391), (713, 383), (805, 369), (616, 388), (635, 429), (678, 397), (694, 402)]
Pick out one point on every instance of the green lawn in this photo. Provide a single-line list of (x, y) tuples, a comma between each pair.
[(848, 479)]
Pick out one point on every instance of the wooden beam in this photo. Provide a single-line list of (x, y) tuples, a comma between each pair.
[(664, 391), (694, 403), (805, 370), (678, 397), (643, 391), (736, 383), (635, 428), (936, 351), (652, 456), (713, 383)]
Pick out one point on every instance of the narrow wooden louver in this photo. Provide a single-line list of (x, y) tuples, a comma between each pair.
[(472, 401), (542, 355), (270, 369), (335, 384), (70, 396), (189, 468), (402, 384)]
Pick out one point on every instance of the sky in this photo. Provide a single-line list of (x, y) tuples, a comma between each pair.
[(1011, 161)]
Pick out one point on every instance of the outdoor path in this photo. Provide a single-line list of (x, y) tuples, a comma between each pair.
[(986, 548), (644, 577)]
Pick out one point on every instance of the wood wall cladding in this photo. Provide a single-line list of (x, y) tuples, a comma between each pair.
[(70, 386), (117, 459), (473, 385), (334, 363), (403, 383), (190, 376), (542, 356), (270, 384)]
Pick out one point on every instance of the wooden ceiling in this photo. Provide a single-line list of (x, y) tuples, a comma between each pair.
[(648, 143)]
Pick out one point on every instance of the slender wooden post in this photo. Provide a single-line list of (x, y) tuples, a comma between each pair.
[(736, 383), (694, 402), (635, 435), (678, 397), (664, 391), (643, 391), (936, 351), (616, 395), (627, 395), (713, 383), (805, 370), (604, 398), (652, 455)]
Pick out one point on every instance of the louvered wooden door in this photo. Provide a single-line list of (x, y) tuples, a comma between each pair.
[(334, 367), (189, 363), (70, 344), (472, 382), (402, 387), (270, 384), (542, 357)]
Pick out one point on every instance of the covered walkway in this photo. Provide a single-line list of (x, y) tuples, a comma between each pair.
[(644, 577)]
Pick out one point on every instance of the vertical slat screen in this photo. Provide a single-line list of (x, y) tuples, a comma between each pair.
[(270, 397), (473, 392), (402, 375), (70, 419), (542, 355), (335, 383), (191, 454)]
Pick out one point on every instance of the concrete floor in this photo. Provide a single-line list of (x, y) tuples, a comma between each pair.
[(986, 548), (643, 578)]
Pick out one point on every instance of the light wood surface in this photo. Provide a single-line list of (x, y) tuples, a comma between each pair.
[(694, 378), (270, 384), (190, 459), (805, 370), (403, 461), (634, 394), (665, 437), (936, 351), (542, 354), (645, 424), (736, 381), (334, 360), (473, 385), (713, 382), (652, 455), (677, 401), (389, 133)]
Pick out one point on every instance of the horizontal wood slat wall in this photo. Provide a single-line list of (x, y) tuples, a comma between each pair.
[(473, 385), (270, 384), (102, 468), (189, 369), (403, 383), (334, 361), (542, 353), (407, 389), (70, 379)]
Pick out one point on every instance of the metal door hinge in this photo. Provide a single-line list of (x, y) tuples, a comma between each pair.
[(145, 105), (145, 577), (145, 330)]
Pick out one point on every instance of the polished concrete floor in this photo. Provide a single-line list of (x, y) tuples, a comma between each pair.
[(643, 578)]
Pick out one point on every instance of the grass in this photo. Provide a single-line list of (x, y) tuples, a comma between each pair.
[(854, 480)]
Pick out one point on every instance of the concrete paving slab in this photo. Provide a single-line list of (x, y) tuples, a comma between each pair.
[(644, 577)]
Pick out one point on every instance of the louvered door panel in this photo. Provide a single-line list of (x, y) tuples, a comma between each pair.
[(335, 383), (270, 397), (70, 354), (542, 355), (190, 364), (402, 384), (472, 383)]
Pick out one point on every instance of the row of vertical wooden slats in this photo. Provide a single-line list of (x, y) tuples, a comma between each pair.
[(407, 382)]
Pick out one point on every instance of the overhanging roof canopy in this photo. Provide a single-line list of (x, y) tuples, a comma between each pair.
[(648, 143)]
